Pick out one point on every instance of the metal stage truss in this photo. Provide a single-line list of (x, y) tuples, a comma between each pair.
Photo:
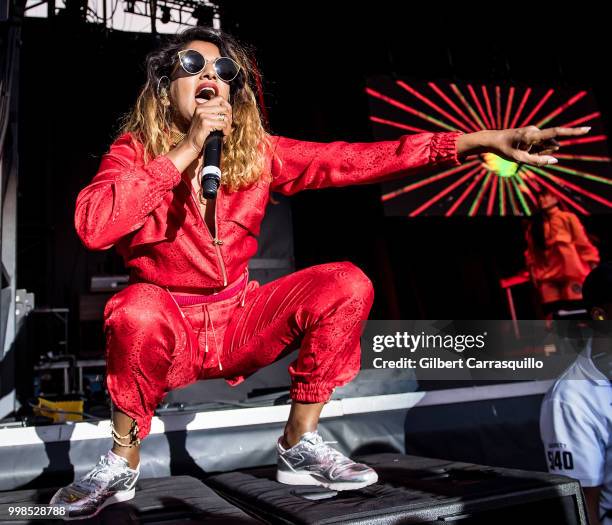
[(173, 14)]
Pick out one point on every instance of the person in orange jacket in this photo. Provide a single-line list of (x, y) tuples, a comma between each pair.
[(190, 311), (559, 254)]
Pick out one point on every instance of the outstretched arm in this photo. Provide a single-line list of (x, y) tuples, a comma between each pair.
[(301, 165), (528, 145)]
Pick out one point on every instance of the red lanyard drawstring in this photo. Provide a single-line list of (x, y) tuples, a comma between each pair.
[(208, 319), (246, 285)]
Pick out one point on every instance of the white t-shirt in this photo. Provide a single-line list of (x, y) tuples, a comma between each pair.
[(576, 427)]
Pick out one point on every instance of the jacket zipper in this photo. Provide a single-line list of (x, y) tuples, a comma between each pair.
[(216, 242)]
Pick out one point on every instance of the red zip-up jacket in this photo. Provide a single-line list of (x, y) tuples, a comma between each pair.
[(569, 253), (150, 213)]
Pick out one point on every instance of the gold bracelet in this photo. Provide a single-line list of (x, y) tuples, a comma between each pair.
[(132, 434)]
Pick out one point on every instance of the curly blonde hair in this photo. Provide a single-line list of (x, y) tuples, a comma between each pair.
[(150, 120)]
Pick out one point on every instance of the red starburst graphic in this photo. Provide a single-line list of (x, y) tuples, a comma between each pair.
[(487, 184)]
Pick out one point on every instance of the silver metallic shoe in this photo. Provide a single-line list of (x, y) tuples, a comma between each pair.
[(110, 481), (313, 462)]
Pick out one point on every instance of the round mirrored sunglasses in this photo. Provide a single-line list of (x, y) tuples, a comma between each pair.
[(193, 62)]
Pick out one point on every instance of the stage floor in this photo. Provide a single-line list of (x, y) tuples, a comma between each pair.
[(410, 489), (200, 442)]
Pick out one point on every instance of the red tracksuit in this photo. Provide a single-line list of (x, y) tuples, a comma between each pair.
[(560, 271), (158, 341)]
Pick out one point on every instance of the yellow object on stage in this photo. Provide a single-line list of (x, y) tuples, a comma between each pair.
[(60, 411)]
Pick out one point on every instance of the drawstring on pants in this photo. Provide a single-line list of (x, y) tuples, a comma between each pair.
[(207, 319), (246, 285), (191, 353), (204, 300)]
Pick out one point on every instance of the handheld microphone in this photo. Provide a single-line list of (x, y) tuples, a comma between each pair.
[(211, 173)]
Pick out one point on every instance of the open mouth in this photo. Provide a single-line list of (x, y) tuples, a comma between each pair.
[(206, 93)]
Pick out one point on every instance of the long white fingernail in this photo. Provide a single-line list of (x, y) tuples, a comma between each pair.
[(585, 128), (552, 160)]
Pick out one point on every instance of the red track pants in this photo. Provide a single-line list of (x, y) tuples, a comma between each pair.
[(154, 346)]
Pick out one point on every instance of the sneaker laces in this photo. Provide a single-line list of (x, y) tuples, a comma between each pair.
[(322, 448), (101, 474)]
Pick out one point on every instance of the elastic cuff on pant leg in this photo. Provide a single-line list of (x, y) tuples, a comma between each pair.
[(311, 393), (139, 413)]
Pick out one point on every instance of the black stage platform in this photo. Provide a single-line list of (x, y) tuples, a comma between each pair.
[(411, 489), (170, 501)]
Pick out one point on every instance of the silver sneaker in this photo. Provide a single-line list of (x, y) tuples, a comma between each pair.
[(313, 462), (110, 481)]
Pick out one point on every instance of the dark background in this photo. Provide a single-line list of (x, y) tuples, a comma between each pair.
[(76, 82)]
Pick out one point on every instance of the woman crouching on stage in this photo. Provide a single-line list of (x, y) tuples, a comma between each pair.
[(190, 311)]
